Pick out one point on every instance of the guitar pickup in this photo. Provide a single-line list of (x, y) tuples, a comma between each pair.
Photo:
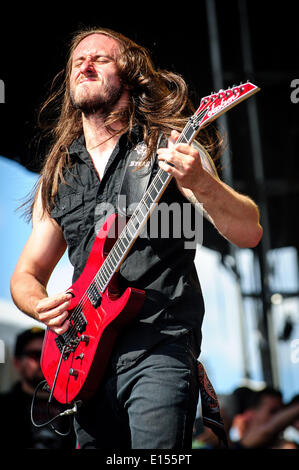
[(95, 299), (94, 295)]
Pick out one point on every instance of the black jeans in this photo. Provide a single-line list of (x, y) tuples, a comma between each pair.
[(150, 406)]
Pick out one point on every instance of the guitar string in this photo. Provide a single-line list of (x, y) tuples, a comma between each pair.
[(158, 179), (99, 279), (100, 276), (75, 315)]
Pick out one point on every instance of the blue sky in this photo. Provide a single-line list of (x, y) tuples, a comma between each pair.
[(16, 182), (222, 345)]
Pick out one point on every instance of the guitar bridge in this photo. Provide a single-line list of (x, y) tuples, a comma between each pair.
[(66, 344), (60, 344)]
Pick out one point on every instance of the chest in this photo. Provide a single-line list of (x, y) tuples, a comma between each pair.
[(100, 161)]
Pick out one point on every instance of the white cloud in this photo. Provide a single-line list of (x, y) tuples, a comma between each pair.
[(11, 315)]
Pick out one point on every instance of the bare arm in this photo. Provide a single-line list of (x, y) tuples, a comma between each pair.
[(234, 215), (262, 434), (37, 261)]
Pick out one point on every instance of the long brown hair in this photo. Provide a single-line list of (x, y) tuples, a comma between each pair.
[(158, 103)]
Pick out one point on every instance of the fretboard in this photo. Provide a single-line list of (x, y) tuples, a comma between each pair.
[(210, 108), (135, 225)]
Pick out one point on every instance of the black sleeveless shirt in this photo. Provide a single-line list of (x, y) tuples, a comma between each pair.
[(162, 266)]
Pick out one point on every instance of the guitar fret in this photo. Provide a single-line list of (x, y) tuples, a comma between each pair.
[(160, 177), (124, 240), (139, 213), (163, 176), (104, 269), (132, 222), (153, 193), (145, 200), (101, 283), (143, 208), (187, 135), (113, 257), (109, 268), (117, 248), (153, 183), (98, 282), (148, 201), (121, 240), (128, 229)]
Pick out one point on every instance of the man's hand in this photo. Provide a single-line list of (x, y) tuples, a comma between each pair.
[(234, 215), (52, 311), (183, 162)]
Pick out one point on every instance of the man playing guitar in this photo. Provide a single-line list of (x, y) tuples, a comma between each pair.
[(113, 99)]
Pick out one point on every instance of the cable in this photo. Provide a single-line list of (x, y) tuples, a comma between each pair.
[(67, 412)]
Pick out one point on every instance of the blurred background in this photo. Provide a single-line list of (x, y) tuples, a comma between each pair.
[(250, 330)]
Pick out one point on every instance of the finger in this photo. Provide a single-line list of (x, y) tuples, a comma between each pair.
[(167, 159), (172, 139), (48, 314), (174, 159), (178, 152), (186, 149), (70, 292), (49, 303), (57, 321), (169, 168), (175, 135), (60, 330)]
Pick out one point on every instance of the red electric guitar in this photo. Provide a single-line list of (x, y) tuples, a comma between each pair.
[(74, 363)]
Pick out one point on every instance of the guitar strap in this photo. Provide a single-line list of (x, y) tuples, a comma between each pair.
[(210, 408), (135, 179)]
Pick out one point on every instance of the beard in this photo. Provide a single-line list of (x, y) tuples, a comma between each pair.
[(102, 101)]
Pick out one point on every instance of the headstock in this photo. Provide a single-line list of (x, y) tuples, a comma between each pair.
[(214, 105)]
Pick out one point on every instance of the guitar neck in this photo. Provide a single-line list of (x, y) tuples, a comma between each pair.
[(141, 214), (210, 108)]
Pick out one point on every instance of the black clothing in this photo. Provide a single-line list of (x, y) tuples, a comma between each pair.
[(149, 406), (163, 267)]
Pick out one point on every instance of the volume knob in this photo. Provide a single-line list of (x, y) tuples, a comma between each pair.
[(84, 338), (74, 372)]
